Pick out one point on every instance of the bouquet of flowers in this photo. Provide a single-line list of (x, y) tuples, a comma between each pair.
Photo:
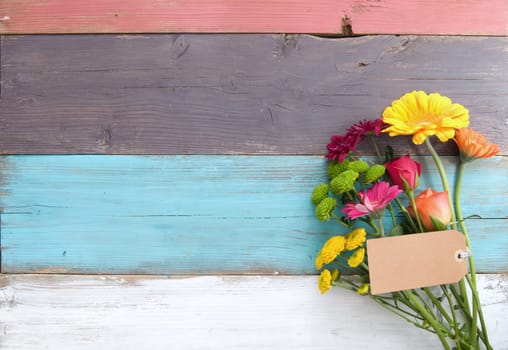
[(360, 192)]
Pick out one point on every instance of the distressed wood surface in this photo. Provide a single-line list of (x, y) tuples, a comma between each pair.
[(471, 17), (212, 312), (198, 214), (231, 94)]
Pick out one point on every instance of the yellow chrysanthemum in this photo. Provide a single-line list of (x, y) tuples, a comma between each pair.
[(357, 258), (325, 281), (355, 238), (364, 289), (335, 274), (333, 247), (422, 115)]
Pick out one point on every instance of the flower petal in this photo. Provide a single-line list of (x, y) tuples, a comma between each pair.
[(419, 138), (422, 115), (444, 134)]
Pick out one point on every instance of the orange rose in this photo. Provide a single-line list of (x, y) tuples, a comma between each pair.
[(432, 203)]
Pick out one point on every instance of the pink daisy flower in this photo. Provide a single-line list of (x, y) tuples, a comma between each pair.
[(372, 201)]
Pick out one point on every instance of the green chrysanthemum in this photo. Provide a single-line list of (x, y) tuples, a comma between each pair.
[(343, 182), (335, 168), (374, 173), (320, 192), (359, 166), (325, 208)]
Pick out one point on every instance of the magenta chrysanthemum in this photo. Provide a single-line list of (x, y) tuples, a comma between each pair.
[(367, 127), (372, 201), (341, 146)]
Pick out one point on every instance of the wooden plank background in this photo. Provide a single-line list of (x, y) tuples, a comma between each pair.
[(231, 94), (233, 97), (472, 17), (198, 214), (211, 312)]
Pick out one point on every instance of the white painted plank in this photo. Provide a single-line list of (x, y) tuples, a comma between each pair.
[(210, 312)]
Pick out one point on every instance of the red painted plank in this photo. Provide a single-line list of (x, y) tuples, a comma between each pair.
[(467, 17)]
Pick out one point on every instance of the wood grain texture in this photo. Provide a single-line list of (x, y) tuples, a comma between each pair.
[(321, 16), (197, 214), (212, 312), (232, 94)]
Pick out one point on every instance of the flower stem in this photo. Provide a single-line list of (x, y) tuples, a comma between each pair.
[(437, 304), (381, 227), (483, 333), (392, 214), (340, 221), (455, 322), (444, 180), (472, 281), (406, 213), (428, 317), (371, 223), (376, 149), (399, 312), (411, 196)]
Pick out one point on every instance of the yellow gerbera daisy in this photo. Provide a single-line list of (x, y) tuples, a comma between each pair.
[(422, 115), (357, 258), (333, 247), (325, 281), (355, 238), (364, 288)]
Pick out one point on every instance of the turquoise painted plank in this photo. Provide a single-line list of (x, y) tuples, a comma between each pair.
[(195, 214)]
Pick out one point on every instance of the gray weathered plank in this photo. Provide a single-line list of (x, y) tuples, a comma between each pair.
[(216, 94), (211, 312)]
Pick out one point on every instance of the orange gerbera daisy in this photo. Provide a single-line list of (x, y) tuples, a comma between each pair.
[(473, 145), (422, 115)]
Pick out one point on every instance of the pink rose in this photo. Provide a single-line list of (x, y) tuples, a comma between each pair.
[(404, 169)]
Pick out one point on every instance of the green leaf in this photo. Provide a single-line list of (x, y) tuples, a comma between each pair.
[(407, 227), (465, 327), (348, 222), (438, 225), (397, 230), (365, 278), (407, 188)]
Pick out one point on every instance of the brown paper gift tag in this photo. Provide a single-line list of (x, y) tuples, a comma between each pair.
[(416, 260)]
